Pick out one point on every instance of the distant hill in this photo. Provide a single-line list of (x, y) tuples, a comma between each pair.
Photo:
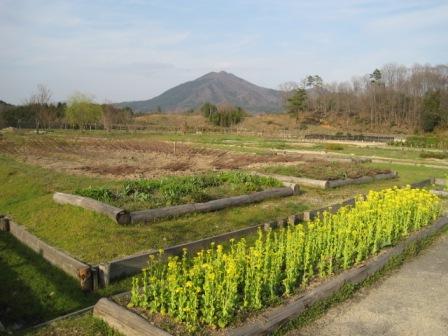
[(4, 105), (214, 87)]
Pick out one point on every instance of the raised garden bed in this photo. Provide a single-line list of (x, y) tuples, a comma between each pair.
[(327, 174), (214, 291), (175, 196)]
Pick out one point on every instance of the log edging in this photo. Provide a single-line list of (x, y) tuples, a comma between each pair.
[(440, 193), (440, 181), (122, 216), (266, 322), (78, 270), (326, 184)]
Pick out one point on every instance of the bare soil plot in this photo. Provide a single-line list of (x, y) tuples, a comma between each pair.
[(128, 158), (325, 170)]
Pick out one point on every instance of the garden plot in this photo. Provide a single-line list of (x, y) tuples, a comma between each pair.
[(215, 290), (327, 174), (130, 158), (174, 196)]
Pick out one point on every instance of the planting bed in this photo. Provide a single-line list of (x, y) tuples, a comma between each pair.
[(176, 190), (218, 288), (327, 174), (326, 170), (176, 196)]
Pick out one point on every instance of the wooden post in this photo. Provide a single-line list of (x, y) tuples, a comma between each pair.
[(4, 223)]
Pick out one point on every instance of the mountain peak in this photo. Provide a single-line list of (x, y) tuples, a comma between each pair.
[(216, 88), (217, 74)]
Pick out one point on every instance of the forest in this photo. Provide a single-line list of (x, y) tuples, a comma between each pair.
[(395, 95)]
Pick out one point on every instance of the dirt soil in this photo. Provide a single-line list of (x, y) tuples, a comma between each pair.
[(134, 158), (412, 301)]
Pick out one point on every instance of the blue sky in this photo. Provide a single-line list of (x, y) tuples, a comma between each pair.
[(135, 49)]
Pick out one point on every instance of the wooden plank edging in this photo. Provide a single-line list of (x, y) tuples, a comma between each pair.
[(130, 265), (71, 266), (129, 323), (124, 320), (121, 216)]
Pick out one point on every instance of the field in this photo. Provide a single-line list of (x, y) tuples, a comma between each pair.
[(34, 166)]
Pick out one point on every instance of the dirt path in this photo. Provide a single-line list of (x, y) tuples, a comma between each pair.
[(411, 301)]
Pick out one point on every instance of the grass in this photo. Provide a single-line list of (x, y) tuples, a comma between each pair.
[(94, 238), (33, 290), (27, 198), (85, 325), (325, 170)]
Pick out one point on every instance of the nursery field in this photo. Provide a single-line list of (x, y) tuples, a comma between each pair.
[(146, 170)]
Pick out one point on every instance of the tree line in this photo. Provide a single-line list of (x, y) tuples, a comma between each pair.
[(79, 112), (408, 97), (224, 115)]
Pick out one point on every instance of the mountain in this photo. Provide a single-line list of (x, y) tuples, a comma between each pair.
[(216, 88)]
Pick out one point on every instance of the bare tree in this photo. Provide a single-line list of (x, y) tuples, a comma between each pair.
[(40, 105)]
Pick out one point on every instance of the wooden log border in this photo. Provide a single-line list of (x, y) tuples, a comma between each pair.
[(122, 216), (440, 181), (86, 274), (326, 184), (129, 323), (219, 204), (440, 193)]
